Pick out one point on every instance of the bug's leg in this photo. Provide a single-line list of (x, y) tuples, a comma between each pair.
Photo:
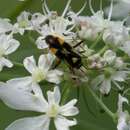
[(58, 61), (78, 44)]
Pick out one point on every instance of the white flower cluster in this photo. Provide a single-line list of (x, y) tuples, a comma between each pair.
[(105, 62)]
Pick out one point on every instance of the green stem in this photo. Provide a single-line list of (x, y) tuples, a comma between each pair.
[(111, 114), (126, 91), (19, 8), (95, 43), (103, 50), (18, 64), (65, 94)]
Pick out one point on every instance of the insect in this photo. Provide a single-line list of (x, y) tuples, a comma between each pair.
[(63, 51)]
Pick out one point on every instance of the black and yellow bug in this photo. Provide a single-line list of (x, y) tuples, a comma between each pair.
[(63, 51)]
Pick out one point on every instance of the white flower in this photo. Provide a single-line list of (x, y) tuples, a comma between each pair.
[(111, 59), (123, 116), (5, 25), (115, 72), (37, 19), (121, 9), (42, 71), (126, 47), (116, 34), (7, 46), (56, 25), (22, 98), (109, 56), (95, 61), (23, 23), (92, 26), (20, 94), (103, 83)]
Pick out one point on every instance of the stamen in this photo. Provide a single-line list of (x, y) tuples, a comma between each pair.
[(110, 11), (43, 8), (66, 8), (125, 19), (51, 26), (46, 7), (117, 85), (101, 5), (91, 8), (81, 10), (126, 92), (70, 29)]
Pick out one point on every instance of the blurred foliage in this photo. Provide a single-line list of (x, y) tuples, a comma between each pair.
[(87, 121)]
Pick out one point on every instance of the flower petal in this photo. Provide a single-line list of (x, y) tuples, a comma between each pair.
[(13, 45), (69, 109), (120, 76), (122, 124), (120, 10), (54, 76), (121, 100), (45, 61), (105, 86), (97, 81), (30, 64), (5, 62), (109, 56), (126, 47), (55, 96), (32, 123), (24, 81), (20, 95), (62, 123), (5, 25), (41, 44)]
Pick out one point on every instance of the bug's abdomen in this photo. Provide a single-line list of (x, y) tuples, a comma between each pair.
[(74, 60)]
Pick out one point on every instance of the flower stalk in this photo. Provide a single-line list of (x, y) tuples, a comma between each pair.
[(96, 41), (18, 64), (103, 49), (65, 94), (105, 108)]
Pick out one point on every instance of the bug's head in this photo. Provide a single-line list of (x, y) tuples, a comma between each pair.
[(50, 39)]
